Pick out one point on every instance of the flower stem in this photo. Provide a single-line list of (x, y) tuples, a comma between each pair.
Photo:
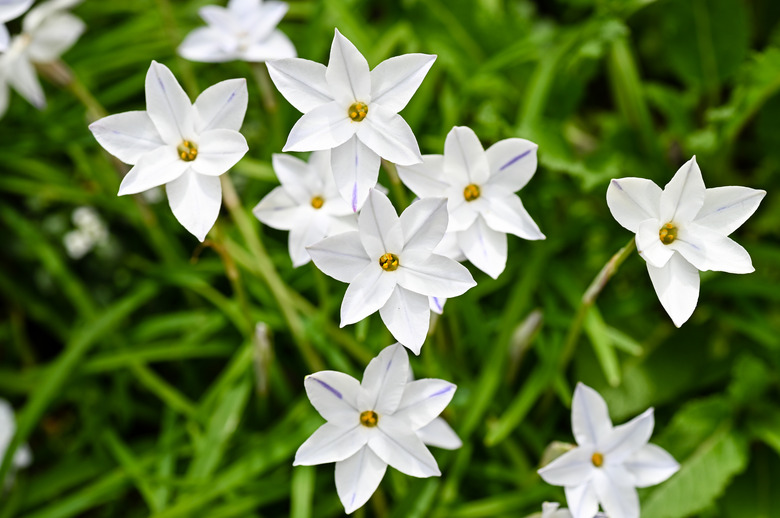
[(266, 87), (61, 75), (396, 186)]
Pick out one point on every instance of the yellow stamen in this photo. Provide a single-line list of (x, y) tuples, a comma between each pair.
[(358, 111), (668, 233), (389, 262), (187, 150), (597, 459), (369, 418), (471, 192), (317, 202)]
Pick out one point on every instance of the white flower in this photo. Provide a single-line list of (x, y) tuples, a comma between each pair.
[(551, 510), (390, 266), (245, 30), (352, 111), (23, 456), (609, 462), (683, 229), (307, 203), (479, 186), (373, 424), (90, 232), (10, 9), (182, 145), (47, 32)]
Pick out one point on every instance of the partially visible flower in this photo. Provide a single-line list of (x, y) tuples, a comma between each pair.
[(551, 510), (90, 232), (307, 203), (684, 229), (23, 455), (609, 462), (352, 111), (374, 423), (245, 30), (479, 186), (390, 266), (181, 145), (10, 9), (47, 32)]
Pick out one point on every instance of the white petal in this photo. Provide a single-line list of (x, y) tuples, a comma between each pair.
[(507, 214), (616, 497), (276, 46), (651, 465), (462, 213), (154, 168), (278, 210), (380, 231), (208, 45), (407, 317), (127, 136), (436, 304), (269, 14), (308, 231), (357, 477), (423, 224), (10, 9), (242, 8), (295, 176), (433, 274), (341, 256), (425, 179), (677, 287), (725, 209), (220, 18), (582, 501), (301, 82), (484, 247), (366, 293), (650, 246), (465, 160), (395, 80), (355, 171), (195, 200), (22, 77), (570, 469), (401, 448), (440, 434), (633, 200), (324, 127), (347, 74), (168, 106), (708, 249), (626, 439), (5, 38), (683, 196), (331, 443), (384, 381), (389, 135), (41, 12), (218, 151), (590, 420), (449, 247), (222, 106), (512, 163), (54, 36), (423, 400), (334, 395)]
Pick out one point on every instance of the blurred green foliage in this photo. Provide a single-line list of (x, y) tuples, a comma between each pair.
[(139, 381)]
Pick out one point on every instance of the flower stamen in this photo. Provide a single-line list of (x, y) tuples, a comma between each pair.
[(668, 233), (389, 262), (369, 419), (187, 150), (597, 459), (358, 111), (317, 202), (471, 192)]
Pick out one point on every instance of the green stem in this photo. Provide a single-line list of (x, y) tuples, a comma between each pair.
[(396, 186), (266, 87)]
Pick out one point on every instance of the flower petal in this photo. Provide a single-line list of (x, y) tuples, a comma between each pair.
[(5, 38), (366, 293), (331, 443), (355, 171), (168, 106), (269, 14), (626, 439), (683, 196), (465, 161), (22, 77), (401, 448), (570, 469), (507, 214), (407, 317), (208, 45), (395, 80), (380, 231), (677, 287), (423, 224), (725, 209), (301, 82), (425, 179), (357, 477), (154, 168), (582, 500), (512, 163), (651, 465), (389, 136), (222, 106), (436, 304), (11, 9), (341, 256), (324, 127), (348, 77), (633, 200), (650, 246), (195, 200), (276, 46), (462, 213), (220, 18), (616, 497), (308, 231), (484, 247), (218, 151), (54, 36), (128, 136), (439, 434), (590, 420), (384, 381), (708, 249), (295, 177), (432, 274), (334, 395), (423, 400), (278, 210)]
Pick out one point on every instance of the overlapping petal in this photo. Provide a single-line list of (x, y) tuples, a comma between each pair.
[(484, 247), (195, 200), (634, 200), (677, 287), (268, 16), (617, 498), (278, 210), (355, 171), (357, 477), (128, 136), (389, 136), (425, 179), (218, 151), (423, 224), (368, 292), (582, 500), (155, 168), (307, 232), (395, 80), (650, 246)]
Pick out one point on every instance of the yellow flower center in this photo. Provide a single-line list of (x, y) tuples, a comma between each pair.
[(358, 111), (471, 192), (187, 150), (369, 418), (317, 202), (597, 459), (389, 262), (668, 233)]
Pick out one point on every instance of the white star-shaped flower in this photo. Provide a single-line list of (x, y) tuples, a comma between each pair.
[(608, 462), (47, 32), (479, 186), (353, 111), (683, 229), (10, 9), (23, 456), (551, 510), (181, 145), (307, 203), (390, 266), (245, 30), (375, 423)]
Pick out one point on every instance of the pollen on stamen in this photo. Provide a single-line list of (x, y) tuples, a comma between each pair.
[(668, 233), (317, 202), (597, 459), (471, 192), (187, 150), (368, 418), (358, 111), (389, 262)]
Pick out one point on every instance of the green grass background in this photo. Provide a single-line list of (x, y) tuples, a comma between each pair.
[(136, 373)]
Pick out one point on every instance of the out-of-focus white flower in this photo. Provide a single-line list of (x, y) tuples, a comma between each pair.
[(551, 510), (376, 423), (90, 232), (245, 30), (608, 462), (684, 229), (48, 30), (23, 455), (353, 111), (181, 145), (10, 9), (307, 203)]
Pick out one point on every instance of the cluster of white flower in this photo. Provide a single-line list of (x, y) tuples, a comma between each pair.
[(90, 232)]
